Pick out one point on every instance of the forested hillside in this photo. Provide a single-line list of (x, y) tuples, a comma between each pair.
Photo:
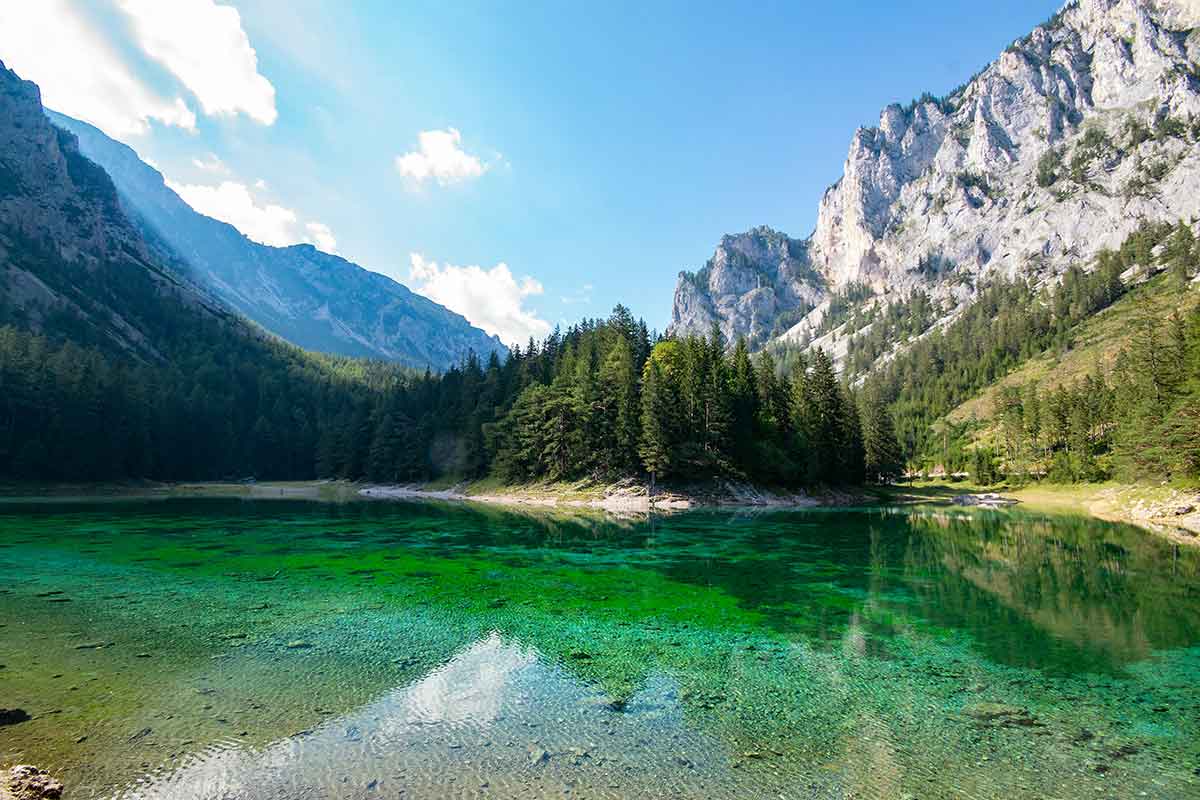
[(112, 364), (1130, 416), (318, 301)]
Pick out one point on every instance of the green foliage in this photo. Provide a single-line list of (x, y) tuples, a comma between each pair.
[(1009, 322), (898, 322), (1166, 127), (1091, 146), (969, 180), (1141, 420), (1136, 133), (1048, 166), (883, 461)]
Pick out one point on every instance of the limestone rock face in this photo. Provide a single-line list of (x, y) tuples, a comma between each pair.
[(753, 281), (1062, 146), (27, 782)]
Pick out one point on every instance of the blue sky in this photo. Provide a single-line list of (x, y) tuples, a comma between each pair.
[(594, 149)]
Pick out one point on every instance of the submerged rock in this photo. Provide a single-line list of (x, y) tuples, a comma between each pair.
[(1000, 714), (26, 782), (11, 716)]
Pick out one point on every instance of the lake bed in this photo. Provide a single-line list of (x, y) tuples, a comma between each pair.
[(230, 648)]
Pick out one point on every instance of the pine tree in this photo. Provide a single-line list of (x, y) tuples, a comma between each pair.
[(743, 404), (656, 447), (1180, 253), (881, 449), (561, 440), (824, 417), (619, 405)]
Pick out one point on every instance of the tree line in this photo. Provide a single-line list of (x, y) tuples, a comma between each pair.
[(606, 399), (603, 400)]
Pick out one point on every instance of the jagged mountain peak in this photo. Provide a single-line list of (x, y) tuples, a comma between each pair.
[(754, 286), (1066, 142)]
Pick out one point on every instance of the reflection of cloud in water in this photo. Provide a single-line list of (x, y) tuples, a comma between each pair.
[(471, 690)]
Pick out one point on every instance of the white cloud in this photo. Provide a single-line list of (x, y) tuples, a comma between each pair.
[(264, 222), (439, 156), (79, 72), (203, 45), (490, 299), (320, 235), (210, 163)]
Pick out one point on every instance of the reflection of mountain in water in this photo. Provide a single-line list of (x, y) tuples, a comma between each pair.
[(1064, 594)]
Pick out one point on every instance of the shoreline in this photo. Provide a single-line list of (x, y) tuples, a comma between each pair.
[(623, 497), (1167, 512), (1164, 511)]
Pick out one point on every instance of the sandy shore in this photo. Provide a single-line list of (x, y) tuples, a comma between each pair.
[(620, 498)]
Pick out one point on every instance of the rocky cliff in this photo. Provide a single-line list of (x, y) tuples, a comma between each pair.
[(313, 299), (70, 261), (756, 285), (1062, 146)]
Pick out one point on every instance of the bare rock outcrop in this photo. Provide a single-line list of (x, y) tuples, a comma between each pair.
[(26, 782)]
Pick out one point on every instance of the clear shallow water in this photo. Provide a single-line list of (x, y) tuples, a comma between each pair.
[(213, 649)]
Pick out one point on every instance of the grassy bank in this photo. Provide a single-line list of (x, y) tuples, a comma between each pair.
[(1160, 508)]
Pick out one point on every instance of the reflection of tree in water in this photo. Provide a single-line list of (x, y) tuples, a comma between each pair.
[(1059, 593)]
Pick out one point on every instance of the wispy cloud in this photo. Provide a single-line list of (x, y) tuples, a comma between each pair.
[(210, 163), (91, 71), (203, 45), (80, 72), (581, 296)]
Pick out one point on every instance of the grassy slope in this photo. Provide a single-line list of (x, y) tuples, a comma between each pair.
[(1097, 342)]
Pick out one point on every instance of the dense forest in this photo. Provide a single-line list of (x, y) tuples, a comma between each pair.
[(1138, 421), (602, 400)]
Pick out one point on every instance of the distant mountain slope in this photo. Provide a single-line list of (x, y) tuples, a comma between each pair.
[(113, 364), (1062, 146), (318, 301)]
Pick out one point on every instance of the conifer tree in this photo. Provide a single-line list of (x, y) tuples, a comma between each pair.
[(743, 404), (881, 450), (656, 446)]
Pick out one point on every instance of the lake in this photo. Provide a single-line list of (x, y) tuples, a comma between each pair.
[(277, 649)]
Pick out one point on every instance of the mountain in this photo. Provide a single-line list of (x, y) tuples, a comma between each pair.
[(72, 262), (318, 301), (756, 285), (114, 364), (1069, 141)]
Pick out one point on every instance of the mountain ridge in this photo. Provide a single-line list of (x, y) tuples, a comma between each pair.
[(314, 299), (1063, 145)]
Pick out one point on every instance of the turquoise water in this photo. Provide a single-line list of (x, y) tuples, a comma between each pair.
[(228, 649)]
